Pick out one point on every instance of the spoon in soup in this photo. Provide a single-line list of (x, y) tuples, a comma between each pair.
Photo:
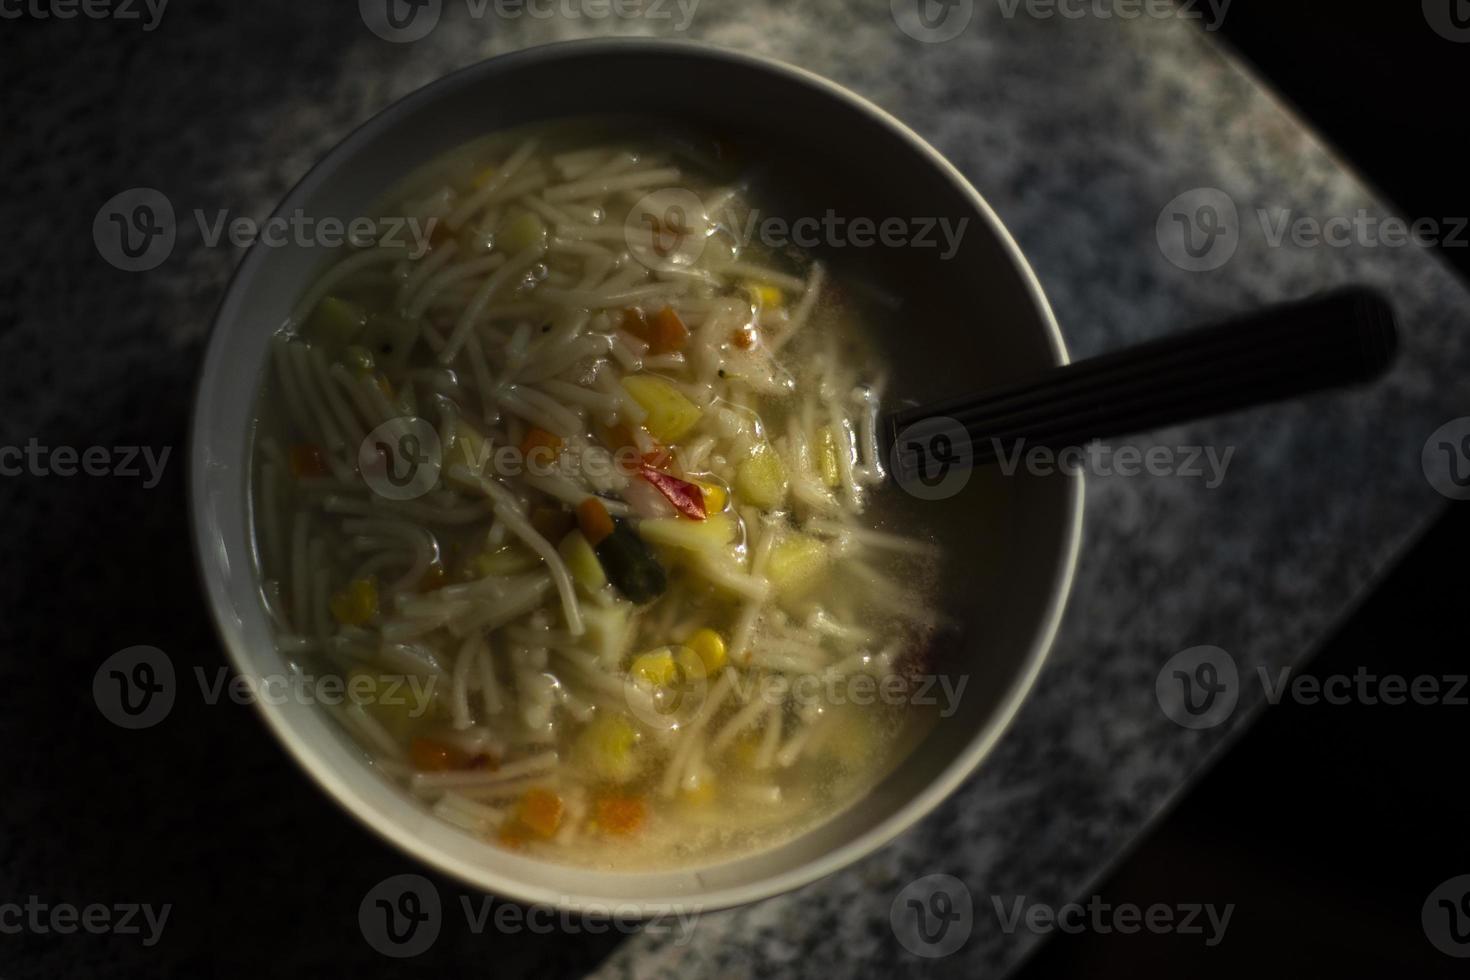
[(1344, 337)]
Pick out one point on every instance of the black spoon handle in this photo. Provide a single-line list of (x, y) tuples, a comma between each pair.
[(1343, 337)]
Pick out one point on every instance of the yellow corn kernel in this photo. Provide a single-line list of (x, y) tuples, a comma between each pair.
[(482, 178), (715, 496), (606, 748), (520, 231), (657, 667), (710, 647), (769, 297), (357, 604), (701, 793)]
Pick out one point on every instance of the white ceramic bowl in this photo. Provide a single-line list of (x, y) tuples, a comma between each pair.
[(979, 317)]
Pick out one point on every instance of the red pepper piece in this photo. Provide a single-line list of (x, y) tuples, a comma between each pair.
[(686, 497)]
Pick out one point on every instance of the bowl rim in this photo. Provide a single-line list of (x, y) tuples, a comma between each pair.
[(488, 879)]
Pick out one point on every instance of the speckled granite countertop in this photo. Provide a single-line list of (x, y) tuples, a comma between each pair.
[(1078, 131)]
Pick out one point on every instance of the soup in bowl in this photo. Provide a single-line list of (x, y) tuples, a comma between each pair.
[(561, 491)]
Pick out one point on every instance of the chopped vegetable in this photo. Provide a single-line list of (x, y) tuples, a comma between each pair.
[(607, 748), (335, 323), (666, 332), (715, 496), (702, 793), (670, 414), (709, 535), (631, 567), (582, 562), (508, 559), (540, 811), (520, 231), (431, 755), (544, 444), (655, 667), (357, 604), (594, 520), (307, 461), (551, 522), (710, 647), (607, 630), (769, 297), (761, 479), (745, 338), (686, 497), (826, 452), (796, 566), (617, 814)]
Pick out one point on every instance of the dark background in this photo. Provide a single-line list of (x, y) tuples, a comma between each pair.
[(1333, 822), (1330, 824)]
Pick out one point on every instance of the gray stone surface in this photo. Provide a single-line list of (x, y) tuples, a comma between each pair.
[(1078, 131)]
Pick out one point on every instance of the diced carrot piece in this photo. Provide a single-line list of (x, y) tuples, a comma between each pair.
[(307, 461), (594, 520), (430, 755), (540, 811), (620, 815), (540, 439), (666, 332), (552, 523), (745, 338)]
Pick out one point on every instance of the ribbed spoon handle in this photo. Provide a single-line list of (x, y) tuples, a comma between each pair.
[(1344, 337)]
